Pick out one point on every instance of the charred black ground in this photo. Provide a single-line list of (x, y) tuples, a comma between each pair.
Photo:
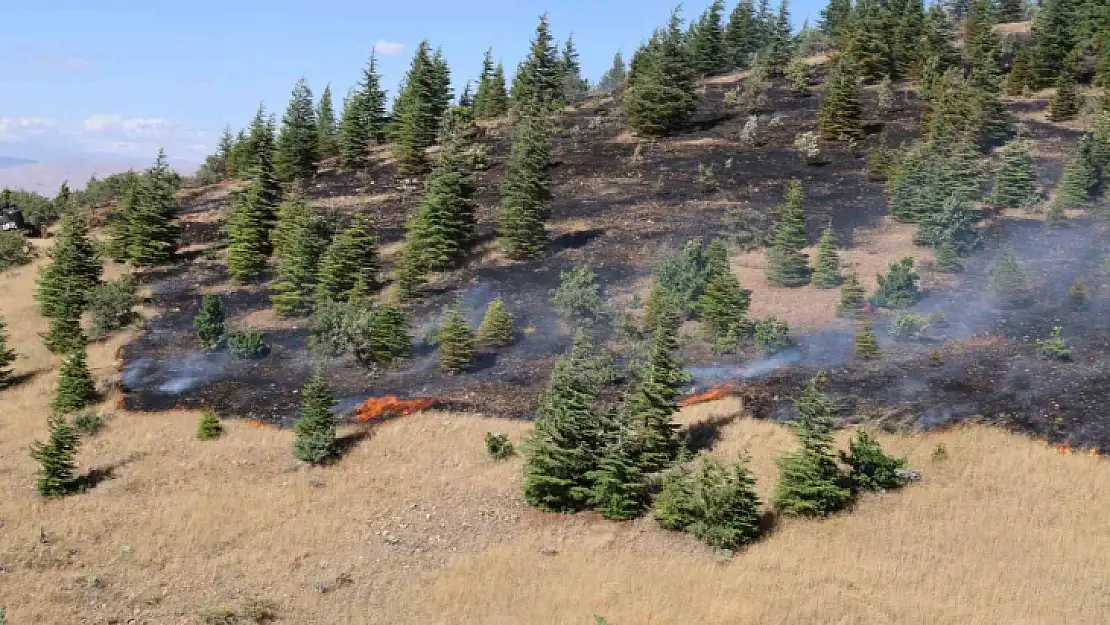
[(620, 209)]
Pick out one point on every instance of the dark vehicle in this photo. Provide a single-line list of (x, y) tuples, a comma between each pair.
[(11, 218)]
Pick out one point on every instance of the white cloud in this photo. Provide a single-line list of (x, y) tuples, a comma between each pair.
[(39, 57), (388, 48), (19, 129), (127, 126)]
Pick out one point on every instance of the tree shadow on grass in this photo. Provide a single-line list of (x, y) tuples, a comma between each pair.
[(346, 443), (96, 475), (19, 379), (703, 435)]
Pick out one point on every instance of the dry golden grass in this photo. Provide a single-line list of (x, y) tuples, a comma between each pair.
[(872, 252), (417, 525)]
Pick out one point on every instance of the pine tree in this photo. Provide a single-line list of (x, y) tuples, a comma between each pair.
[(811, 483), (418, 109), (787, 266), (707, 46), (869, 467), (1007, 280), (497, 329), (57, 458), (327, 131), (7, 355), (248, 232), (314, 431), (779, 46), (724, 305), (456, 343), (1010, 11), (209, 427), (715, 505), (569, 436), (1100, 145), (614, 78), (441, 231), (482, 97), (619, 490), (261, 151), (1015, 184), (839, 115), (64, 283), (538, 84), (1021, 77), (851, 295), (981, 40), (826, 272), (868, 46), (408, 275), (526, 190), (364, 119), (152, 235), (1064, 104), (649, 410), (908, 33), (897, 289), (497, 101), (119, 222), (910, 179), (349, 261), (298, 144), (866, 344), (1054, 34), (75, 388), (660, 96), (209, 322), (574, 87), (741, 34), (835, 17), (297, 264), (1079, 178), (225, 150)]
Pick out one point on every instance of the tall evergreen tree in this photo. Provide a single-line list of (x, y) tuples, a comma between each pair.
[(1010, 11), (811, 483), (261, 150), (826, 272), (152, 235), (614, 77), (485, 85), (441, 231), (741, 34), (297, 264), (1064, 104), (574, 87), (839, 115), (1054, 34), (660, 96), (418, 109), (780, 45), (327, 131), (351, 259), (497, 104), (119, 221), (298, 144), (787, 266), (649, 410), (224, 153), (1015, 184), (57, 458), (538, 83), (526, 190), (75, 389), (314, 431), (619, 489), (1078, 180), (1021, 77), (909, 30), (7, 355), (865, 346), (248, 232), (569, 436), (834, 17), (64, 284), (209, 322), (496, 329), (724, 305), (707, 45), (364, 119), (868, 43)]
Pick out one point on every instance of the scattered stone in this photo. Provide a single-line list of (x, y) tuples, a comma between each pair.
[(909, 475), (722, 556), (549, 551)]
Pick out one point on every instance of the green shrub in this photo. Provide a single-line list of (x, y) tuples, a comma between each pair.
[(714, 504), (897, 289), (88, 422), (111, 306), (15, 249), (869, 467), (772, 335), (907, 327), (209, 322), (498, 446), (247, 344), (578, 297), (209, 427), (1055, 347)]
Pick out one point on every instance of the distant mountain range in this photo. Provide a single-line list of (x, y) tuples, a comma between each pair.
[(46, 176)]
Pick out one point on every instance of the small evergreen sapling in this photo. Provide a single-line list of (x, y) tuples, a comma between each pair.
[(866, 344), (1054, 347), (1007, 280), (1064, 104), (57, 458), (811, 483), (75, 389), (851, 295), (897, 289), (619, 491), (787, 266), (869, 467), (947, 258), (1015, 185), (209, 322), (497, 328), (723, 305), (7, 355), (314, 431), (209, 427), (1078, 294), (714, 504), (498, 446), (826, 273), (456, 343)]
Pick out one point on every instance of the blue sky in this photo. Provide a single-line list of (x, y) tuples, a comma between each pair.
[(119, 78)]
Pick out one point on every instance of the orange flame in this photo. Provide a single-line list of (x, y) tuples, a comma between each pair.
[(713, 394), (1065, 449), (261, 425), (390, 406)]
